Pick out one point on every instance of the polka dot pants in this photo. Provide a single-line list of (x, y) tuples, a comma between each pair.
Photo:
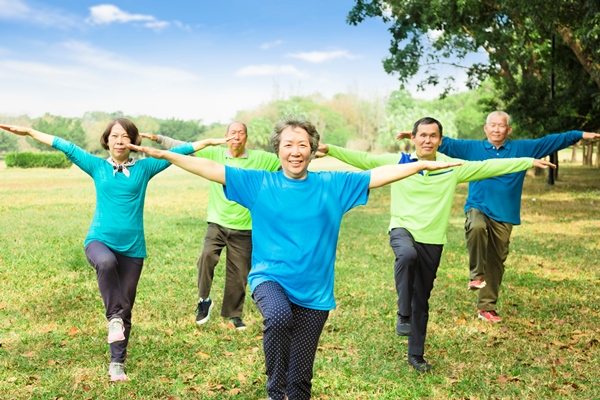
[(290, 338)]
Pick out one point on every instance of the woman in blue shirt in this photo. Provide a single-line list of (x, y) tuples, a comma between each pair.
[(296, 217), (115, 244)]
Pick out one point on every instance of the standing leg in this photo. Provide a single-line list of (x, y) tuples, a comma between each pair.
[(498, 244), (118, 277), (429, 261), (476, 233), (276, 309), (238, 262), (308, 325)]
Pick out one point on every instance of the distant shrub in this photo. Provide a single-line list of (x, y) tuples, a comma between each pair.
[(37, 160)]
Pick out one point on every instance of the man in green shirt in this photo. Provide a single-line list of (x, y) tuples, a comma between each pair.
[(229, 225), (420, 212)]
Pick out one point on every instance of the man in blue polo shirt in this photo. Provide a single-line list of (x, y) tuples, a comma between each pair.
[(493, 205)]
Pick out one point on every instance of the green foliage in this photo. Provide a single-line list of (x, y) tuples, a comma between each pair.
[(187, 131), (517, 37), (38, 160), (67, 128), (259, 130), (8, 142)]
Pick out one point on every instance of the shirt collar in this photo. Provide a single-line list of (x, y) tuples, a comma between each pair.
[(229, 155), (505, 145)]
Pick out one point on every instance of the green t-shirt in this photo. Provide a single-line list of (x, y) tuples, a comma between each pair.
[(422, 202), (226, 213)]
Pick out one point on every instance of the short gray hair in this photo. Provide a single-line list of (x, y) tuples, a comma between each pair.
[(291, 121), (503, 113)]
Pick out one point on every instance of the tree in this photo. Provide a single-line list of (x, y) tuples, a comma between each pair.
[(187, 131), (8, 142), (67, 128), (544, 55)]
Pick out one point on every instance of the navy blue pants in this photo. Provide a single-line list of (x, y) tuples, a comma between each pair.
[(118, 277), (415, 269), (290, 338)]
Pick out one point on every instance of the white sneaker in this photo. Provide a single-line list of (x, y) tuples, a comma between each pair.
[(117, 372), (116, 330)]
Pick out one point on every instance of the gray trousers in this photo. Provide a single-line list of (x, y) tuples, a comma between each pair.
[(415, 269), (237, 266), (487, 243), (118, 277)]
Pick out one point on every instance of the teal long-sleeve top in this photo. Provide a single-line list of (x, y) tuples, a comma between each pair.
[(500, 197), (422, 202), (119, 215)]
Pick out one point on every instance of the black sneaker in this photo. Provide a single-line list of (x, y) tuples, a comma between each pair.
[(238, 323), (203, 311), (419, 363), (403, 326)]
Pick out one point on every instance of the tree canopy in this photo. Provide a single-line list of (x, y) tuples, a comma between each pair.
[(67, 128), (543, 55)]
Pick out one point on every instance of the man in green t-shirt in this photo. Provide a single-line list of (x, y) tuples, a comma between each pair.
[(229, 226), (420, 212)]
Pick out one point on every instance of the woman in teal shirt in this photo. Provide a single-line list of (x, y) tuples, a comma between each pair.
[(115, 244)]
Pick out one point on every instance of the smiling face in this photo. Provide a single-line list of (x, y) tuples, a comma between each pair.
[(118, 139), (294, 152), (427, 139), (497, 128)]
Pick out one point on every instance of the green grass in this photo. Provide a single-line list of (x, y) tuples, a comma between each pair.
[(53, 332)]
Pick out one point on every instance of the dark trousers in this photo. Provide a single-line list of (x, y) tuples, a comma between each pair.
[(290, 338), (118, 277), (487, 243), (237, 266), (415, 270)]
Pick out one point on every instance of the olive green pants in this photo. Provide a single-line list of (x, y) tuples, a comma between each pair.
[(487, 244)]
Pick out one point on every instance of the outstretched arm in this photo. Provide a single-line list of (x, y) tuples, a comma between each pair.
[(22, 131), (543, 164), (203, 167), (591, 136), (385, 174), (198, 145)]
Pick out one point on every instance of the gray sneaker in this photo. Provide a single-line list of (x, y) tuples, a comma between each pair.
[(203, 311), (116, 330), (117, 372)]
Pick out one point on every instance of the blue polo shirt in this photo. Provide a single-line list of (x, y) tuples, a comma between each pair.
[(500, 197)]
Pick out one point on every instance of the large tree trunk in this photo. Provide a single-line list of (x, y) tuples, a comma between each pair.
[(585, 59)]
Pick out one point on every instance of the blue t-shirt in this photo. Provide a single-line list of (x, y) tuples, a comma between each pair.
[(295, 227), (119, 216), (500, 197)]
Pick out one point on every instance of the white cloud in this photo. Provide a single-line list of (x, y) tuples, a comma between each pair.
[(267, 70), (19, 11), (322, 56), (270, 45), (107, 14)]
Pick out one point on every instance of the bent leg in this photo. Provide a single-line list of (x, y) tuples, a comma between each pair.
[(209, 258), (405, 265)]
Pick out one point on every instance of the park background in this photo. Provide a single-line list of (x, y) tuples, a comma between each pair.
[(186, 69)]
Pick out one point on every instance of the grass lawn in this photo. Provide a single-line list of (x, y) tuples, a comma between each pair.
[(53, 331)]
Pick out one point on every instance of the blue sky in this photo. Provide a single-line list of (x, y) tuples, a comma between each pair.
[(184, 59)]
